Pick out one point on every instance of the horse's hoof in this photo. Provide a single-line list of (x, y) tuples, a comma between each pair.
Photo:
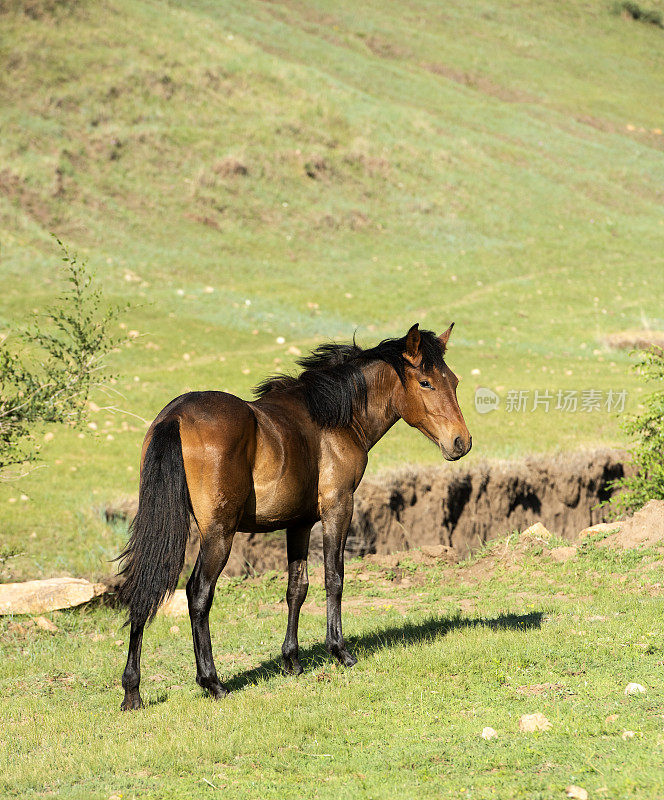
[(347, 659), (342, 655), (132, 702), (292, 667), (215, 689)]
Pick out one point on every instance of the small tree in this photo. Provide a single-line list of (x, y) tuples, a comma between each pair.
[(50, 378), (648, 452)]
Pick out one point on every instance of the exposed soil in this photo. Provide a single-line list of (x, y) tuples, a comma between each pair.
[(463, 508), (644, 529), (481, 83), (446, 512), (635, 340)]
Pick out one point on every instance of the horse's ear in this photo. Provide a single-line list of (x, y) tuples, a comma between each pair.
[(413, 352), (445, 336)]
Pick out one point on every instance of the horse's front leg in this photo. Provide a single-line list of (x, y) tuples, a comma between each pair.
[(297, 539), (336, 516)]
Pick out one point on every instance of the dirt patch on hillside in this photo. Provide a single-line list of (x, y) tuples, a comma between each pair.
[(480, 83), (17, 191), (635, 340), (644, 529), (452, 510), (461, 509)]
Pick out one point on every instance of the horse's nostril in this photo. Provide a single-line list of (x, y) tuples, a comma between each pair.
[(458, 444)]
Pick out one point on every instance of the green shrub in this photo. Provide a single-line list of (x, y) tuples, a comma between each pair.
[(648, 452), (46, 375), (628, 8)]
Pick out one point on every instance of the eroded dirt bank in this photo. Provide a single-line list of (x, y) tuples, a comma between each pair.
[(450, 506)]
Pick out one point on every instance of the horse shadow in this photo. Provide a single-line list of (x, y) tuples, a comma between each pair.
[(408, 633)]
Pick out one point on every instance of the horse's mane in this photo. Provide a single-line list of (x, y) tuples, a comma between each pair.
[(332, 381)]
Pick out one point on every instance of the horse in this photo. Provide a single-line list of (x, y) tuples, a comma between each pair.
[(293, 456)]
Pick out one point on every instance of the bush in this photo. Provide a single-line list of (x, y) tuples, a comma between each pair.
[(633, 10), (49, 379), (648, 452)]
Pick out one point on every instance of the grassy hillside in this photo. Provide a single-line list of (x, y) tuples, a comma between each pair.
[(444, 652), (246, 171)]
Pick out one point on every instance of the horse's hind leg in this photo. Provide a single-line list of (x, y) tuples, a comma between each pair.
[(131, 677), (215, 549), (297, 543)]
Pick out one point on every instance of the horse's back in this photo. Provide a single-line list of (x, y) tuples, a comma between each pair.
[(258, 458)]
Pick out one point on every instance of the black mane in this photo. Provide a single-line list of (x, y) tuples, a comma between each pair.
[(332, 381)]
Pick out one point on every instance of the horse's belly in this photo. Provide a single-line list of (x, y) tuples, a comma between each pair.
[(276, 503)]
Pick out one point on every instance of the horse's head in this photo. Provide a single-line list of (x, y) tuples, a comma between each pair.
[(427, 399)]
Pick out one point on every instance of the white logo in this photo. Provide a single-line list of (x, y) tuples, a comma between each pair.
[(486, 400)]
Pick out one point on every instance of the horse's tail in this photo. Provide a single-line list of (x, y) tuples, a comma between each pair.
[(154, 556)]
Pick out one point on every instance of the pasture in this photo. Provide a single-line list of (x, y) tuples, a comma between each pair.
[(256, 178), (443, 652)]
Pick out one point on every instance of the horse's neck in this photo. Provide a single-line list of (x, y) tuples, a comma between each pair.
[(372, 423)]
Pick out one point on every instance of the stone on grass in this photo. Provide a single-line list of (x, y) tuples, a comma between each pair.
[(538, 531), (627, 735), (531, 723), (46, 624), (635, 688), (489, 733), (576, 792), (38, 597), (435, 550), (562, 554), (176, 605), (601, 527)]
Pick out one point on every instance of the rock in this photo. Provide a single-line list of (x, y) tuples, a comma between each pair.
[(538, 531), (562, 554), (626, 735), (635, 688), (601, 527), (176, 605), (38, 597), (489, 733), (530, 723), (436, 550), (46, 625), (576, 792)]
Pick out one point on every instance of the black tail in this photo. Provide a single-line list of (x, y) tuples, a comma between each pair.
[(153, 559)]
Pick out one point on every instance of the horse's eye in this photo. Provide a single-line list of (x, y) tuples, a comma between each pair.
[(426, 385)]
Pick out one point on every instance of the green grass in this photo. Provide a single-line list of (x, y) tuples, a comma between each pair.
[(492, 164), (458, 649)]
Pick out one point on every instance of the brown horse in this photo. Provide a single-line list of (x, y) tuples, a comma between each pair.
[(292, 457)]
